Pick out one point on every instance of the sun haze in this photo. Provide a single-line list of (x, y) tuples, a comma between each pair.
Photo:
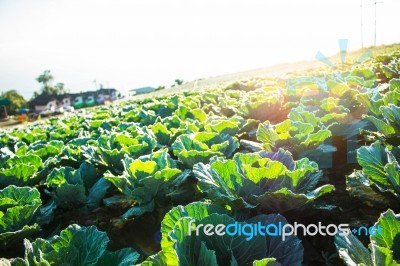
[(127, 44)]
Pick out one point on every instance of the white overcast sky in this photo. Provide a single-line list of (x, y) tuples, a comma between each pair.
[(131, 43)]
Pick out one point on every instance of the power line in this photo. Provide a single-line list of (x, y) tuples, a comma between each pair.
[(362, 20), (362, 34), (375, 21)]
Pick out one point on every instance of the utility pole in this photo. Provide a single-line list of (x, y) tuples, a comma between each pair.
[(362, 20), (362, 34), (375, 21)]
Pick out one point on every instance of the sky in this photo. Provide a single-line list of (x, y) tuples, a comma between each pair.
[(128, 44)]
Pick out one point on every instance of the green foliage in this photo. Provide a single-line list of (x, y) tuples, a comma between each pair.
[(20, 170), (147, 182), (18, 207), (384, 245), (109, 150), (178, 82), (200, 147), (77, 246), (72, 188), (17, 101), (182, 247), (270, 181), (378, 183), (46, 79), (248, 148), (301, 133)]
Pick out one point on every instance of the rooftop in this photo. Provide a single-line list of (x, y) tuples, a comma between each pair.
[(44, 99)]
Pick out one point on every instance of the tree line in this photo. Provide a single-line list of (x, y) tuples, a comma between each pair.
[(46, 79)]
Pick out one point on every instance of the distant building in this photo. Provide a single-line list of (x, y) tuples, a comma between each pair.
[(142, 90), (106, 94), (66, 101), (48, 102), (88, 98)]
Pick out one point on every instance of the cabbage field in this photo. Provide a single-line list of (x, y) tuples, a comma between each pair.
[(121, 184)]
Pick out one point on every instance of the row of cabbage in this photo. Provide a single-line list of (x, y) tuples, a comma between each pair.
[(219, 156)]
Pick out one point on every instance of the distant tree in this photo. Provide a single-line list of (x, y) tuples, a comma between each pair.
[(16, 101), (59, 88), (178, 82), (46, 79)]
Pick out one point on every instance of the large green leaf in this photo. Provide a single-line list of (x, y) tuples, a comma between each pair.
[(285, 200), (45, 149), (373, 159), (201, 146), (147, 181), (385, 244), (74, 188), (122, 257), (76, 246), (370, 102), (383, 127), (352, 251), (368, 192), (394, 84), (391, 113), (7, 239), (380, 166), (20, 170), (301, 133), (222, 125), (251, 180), (18, 207), (181, 246)]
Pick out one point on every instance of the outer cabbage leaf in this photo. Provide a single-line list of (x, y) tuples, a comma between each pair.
[(182, 247), (169, 128), (201, 146), (222, 125), (20, 170), (380, 175), (76, 246), (147, 181), (74, 188), (18, 207), (251, 180), (385, 243), (389, 121), (298, 134), (111, 149)]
